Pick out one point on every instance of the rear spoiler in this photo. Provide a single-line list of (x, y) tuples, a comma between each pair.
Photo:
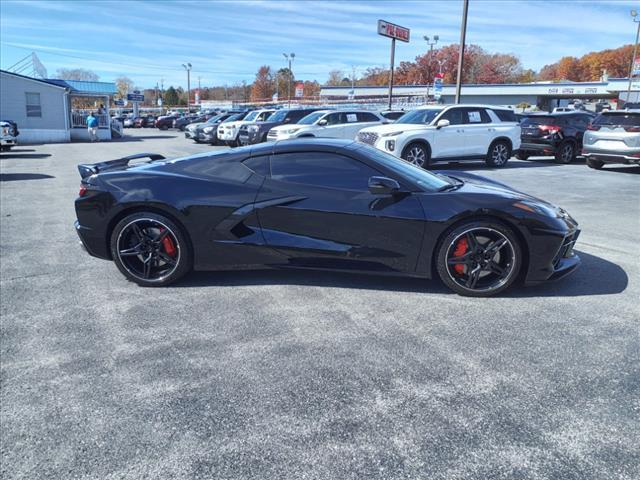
[(88, 169)]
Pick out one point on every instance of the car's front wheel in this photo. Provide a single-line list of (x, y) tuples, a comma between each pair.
[(499, 154), (418, 154), (150, 249), (479, 259), (595, 164)]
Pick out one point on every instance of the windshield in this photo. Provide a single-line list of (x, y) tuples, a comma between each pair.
[(252, 116), (311, 118), (427, 180), (215, 119), (233, 118), (425, 115), (278, 116), (621, 119)]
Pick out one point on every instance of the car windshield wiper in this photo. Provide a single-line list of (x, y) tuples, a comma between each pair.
[(454, 183)]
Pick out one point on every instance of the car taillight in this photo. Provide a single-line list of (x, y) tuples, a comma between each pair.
[(83, 191), (632, 129), (550, 128), (595, 128)]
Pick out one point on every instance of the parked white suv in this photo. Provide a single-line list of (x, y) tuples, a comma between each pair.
[(328, 123), (228, 131), (441, 133)]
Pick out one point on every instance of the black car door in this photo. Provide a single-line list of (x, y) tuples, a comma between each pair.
[(315, 208)]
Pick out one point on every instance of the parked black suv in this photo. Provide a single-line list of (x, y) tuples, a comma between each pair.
[(557, 134), (253, 133)]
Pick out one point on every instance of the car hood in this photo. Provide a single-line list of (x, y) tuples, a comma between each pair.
[(289, 126), (234, 124), (478, 184), (193, 126), (394, 127)]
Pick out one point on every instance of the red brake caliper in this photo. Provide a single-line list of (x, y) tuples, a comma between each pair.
[(461, 248), (168, 245)]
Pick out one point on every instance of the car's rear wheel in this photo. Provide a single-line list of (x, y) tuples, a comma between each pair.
[(596, 164), (565, 153), (150, 249), (522, 156), (418, 154), (479, 259), (499, 154)]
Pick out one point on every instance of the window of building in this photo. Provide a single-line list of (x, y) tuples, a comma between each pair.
[(33, 105)]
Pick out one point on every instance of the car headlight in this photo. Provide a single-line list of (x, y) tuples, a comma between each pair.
[(253, 128), (292, 130), (207, 129), (392, 134), (5, 131), (534, 207)]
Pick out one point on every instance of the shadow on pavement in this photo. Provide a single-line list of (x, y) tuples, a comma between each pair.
[(19, 154), (595, 276), (127, 138), (629, 169), (11, 177), (480, 165)]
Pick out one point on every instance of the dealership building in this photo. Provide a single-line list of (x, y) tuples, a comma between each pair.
[(51, 110), (545, 96)]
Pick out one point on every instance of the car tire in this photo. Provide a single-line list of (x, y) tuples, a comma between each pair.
[(478, 275), (595, 164), (143, 245), (418, 154), (522, 156), (565, 153), (498, 154)]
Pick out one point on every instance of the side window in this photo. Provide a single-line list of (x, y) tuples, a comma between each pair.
[(33, 105), (322, 169), (367, 117), (296, 115), (454, 116), (335, 118), (351, 117), (259, 164), (506, 115), (476, 115)]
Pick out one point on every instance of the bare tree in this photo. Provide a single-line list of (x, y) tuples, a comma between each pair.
[(77, 74), (124, 85)]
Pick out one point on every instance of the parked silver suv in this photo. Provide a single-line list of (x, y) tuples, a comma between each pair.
[(613, 137)]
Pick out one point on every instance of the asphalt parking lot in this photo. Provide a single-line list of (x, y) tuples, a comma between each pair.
[(295, 375)]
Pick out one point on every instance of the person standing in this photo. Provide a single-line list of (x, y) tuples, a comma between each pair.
[(92, 127)]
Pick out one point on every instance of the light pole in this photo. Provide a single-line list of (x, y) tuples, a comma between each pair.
[(431, 44), (463, 35), (634, 15), (289, 58), (187, 67)]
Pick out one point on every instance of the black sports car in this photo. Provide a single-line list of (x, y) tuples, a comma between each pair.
[(322, 204)]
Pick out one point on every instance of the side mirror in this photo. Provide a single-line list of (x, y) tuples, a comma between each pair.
[(383, 185), (322, 122), (443, 123)]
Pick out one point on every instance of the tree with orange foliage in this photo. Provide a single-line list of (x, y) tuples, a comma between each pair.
[(264, 85)]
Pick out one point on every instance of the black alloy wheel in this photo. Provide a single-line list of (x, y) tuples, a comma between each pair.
[(417, 154), (150, 249), (566, 153), (479, 259), (499, 154)]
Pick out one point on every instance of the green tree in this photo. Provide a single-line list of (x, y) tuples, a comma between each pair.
[(171, 96)]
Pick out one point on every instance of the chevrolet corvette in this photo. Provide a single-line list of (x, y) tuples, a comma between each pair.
[(318, 204)]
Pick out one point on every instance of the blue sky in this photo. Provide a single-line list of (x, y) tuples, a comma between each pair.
[(226, 41)]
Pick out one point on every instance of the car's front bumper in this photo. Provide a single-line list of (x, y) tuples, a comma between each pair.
[(543, 267), (249, 138), (8, 141)]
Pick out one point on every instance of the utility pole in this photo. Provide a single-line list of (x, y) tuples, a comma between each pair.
[(463, 35), (289, 58), (393, 54), (634, 14), (187, 67), (431, 44)]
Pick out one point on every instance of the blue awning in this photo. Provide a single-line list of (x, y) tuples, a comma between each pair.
[(80, 87)]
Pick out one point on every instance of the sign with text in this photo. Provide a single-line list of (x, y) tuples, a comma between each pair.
[(635, 71), (393, 31), (437, 87), (299, 89), (135, 97)]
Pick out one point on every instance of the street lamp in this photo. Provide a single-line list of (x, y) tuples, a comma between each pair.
[(634, 15), (431, 44), (187, 67), (289, 58)]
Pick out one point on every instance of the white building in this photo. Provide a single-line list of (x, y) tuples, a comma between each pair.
[(44, 109)]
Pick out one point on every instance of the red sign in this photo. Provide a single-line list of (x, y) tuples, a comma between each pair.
[(393, 31), (300, 89)]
